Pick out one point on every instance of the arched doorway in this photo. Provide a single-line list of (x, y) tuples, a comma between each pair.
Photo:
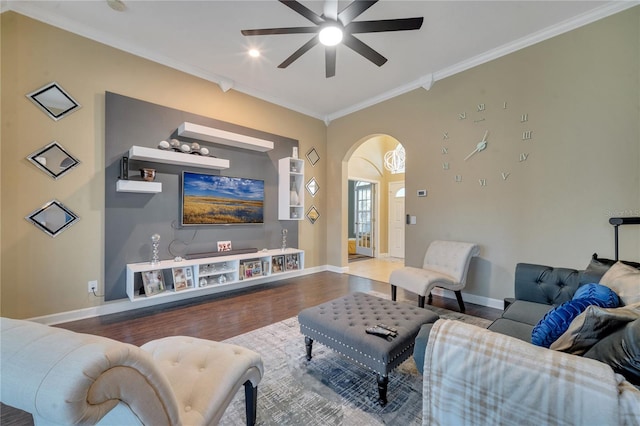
[(369, 214)]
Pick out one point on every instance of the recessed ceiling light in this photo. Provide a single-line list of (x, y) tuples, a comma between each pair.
[(254, 53), (330, 35), (117, 5)]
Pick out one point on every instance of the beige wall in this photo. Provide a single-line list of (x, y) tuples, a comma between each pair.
[(43, 275), (581, 93)]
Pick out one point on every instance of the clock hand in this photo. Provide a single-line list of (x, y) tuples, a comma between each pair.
[(484, 138), (480, 147)]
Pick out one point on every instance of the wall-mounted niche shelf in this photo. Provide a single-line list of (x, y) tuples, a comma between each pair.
[(223, 137), (155, 155), (290, 189)]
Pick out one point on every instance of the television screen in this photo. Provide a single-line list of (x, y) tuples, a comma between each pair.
[(221, 200)]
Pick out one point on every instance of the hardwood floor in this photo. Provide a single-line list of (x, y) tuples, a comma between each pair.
[(219, 317)]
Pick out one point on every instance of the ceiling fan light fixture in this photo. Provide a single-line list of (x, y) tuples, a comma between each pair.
[(330, 35)]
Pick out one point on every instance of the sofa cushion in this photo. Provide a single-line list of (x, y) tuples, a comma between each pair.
[(621, 351), (512, 328), (421, 344), (526, 312), (625, 281), (592, 325), (557, 320)]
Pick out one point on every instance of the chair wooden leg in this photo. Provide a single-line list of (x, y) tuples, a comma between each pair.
[(460, 302), (421, 301), (251, 401), (394, 292)]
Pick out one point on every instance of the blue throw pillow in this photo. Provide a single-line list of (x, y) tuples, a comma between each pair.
[(556, 321), (600, 292)]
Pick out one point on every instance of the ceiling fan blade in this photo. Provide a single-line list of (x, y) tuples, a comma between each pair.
[(304, 49), (303, 10), (274, 31), (383, 25), (354, 10), (330, 10), (330, 61), (359, 47)]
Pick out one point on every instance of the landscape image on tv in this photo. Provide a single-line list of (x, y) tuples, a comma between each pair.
[(212, 199)]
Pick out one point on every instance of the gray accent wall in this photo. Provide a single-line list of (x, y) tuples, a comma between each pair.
[(132, 218)]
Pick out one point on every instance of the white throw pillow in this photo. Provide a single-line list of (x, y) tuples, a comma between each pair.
[(625, 281)]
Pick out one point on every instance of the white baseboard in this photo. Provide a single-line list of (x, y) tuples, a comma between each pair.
[(125, 305)]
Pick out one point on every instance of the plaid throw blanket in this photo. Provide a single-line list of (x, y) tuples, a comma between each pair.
[(473, 376)]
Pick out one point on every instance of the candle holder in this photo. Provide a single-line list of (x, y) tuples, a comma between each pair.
[(284, 239), (155, 243)]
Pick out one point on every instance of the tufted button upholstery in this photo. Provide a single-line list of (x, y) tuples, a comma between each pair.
[(445, 265), (340, 324), (62, 377)]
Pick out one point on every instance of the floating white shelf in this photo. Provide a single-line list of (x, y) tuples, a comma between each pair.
[(138, 186), (223, 137), (177, 158)]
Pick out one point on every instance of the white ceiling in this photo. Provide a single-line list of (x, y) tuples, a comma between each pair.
[(203, 38)]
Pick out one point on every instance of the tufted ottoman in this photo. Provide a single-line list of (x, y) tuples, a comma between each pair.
[(340, 324)]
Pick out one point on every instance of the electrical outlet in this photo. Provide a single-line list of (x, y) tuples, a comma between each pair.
[(92, 286)]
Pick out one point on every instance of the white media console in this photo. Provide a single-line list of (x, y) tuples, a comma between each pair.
[(169, 280)]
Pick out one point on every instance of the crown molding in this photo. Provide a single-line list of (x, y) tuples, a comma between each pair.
[(225, 83), (428, 80)]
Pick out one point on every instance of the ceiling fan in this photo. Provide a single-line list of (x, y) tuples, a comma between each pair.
[(333, 27)]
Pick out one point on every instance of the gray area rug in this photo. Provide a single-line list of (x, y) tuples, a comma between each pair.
[(328, 390)]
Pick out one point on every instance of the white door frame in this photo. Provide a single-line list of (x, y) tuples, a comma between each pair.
[(376, 213), (393, 188)]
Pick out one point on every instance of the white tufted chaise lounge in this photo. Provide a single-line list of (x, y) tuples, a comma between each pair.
[(66, 378), (445, 265)]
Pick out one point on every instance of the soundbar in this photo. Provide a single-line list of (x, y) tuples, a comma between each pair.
[(222, 253)]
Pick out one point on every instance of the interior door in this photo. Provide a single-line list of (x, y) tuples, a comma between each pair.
[(364, 217), (396, 219)]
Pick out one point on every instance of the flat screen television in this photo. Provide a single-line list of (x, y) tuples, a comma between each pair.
[(221, 200)]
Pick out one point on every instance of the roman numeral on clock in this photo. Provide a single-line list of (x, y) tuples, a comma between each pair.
[(445, 166), (445, 150), (523, 157), (482, 182), (526, 135)]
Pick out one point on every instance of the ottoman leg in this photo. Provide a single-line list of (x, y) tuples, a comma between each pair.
[(308, 343), (460, 302), (383, 381), (394, 292)]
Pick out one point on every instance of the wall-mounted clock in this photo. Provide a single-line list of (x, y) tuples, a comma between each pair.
[(486, 131)]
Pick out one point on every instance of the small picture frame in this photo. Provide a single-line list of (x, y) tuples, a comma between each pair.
[(277, 264), (153, 282), (252, 269), (292, 262), (182, 278), (224, 245)]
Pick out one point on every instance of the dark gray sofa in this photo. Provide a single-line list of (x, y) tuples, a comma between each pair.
[(539, 288)]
